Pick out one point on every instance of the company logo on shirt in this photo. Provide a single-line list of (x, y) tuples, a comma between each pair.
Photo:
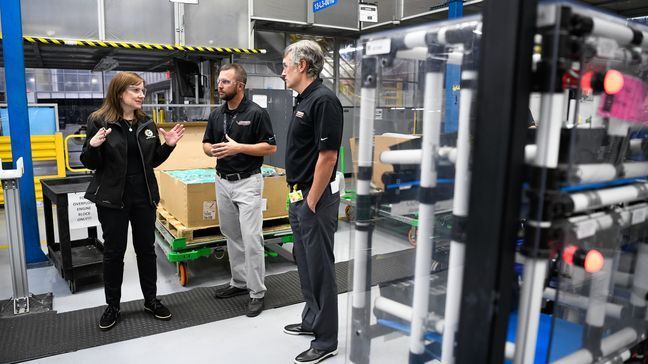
[(149, 134), (299, 114), (243, 122)]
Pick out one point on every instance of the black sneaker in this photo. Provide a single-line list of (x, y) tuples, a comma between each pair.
[(255, 306), (109, 318), (230, 291), (296, 329), (158, 310), (312, 356)]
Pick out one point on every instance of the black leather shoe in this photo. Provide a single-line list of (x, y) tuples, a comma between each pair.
[(255, 306), (296, 329), (312, 356), (230, 291), (109, 318), (157, 309)]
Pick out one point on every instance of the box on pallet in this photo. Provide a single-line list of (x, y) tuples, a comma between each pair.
[(194, 204)]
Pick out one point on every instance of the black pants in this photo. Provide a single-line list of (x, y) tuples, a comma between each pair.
[(313, 246), (114, 222)]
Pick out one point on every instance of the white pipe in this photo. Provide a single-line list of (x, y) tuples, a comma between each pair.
[(456, 261), (409, 156), (640, 277), (509, 350), (413, 156), (462, 165), (548, 134), (636, 144), (365, 159), (448, 153), (608, 29), (392, 307), (584, 226), (599, 290), (611, 196), (530, 152), (424, 243), (535, 271), (581, 302), (552, 114), (619, 340), (622, 279), (417, 54), (365, 138), (597, 120), (596, 172), (360, 268), (415, 39), (601, 172), (610, 344), (621, 358), (635, 169)]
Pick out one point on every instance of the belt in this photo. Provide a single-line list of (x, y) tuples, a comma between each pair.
[(237, 176)]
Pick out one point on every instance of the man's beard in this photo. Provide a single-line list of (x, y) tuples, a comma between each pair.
[(227, 96)]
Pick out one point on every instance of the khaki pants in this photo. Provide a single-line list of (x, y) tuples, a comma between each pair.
[(240, 217)]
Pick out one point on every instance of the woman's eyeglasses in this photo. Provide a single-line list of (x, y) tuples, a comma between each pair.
[(136, 90)]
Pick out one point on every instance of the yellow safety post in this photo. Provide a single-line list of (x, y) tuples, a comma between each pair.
[(67, 154)]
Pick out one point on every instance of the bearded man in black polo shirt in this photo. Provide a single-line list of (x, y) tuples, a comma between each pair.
[(314, 138), (239, 134)]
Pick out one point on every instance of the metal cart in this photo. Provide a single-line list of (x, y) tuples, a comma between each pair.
[(385, 211), (180, 252), (75, 259)]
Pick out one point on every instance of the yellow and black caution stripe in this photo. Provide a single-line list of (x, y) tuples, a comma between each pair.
[(143, 46)]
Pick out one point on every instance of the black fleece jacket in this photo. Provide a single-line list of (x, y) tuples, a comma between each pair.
[(109, 161)]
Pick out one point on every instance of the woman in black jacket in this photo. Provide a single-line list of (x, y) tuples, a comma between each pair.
[(123, 147)]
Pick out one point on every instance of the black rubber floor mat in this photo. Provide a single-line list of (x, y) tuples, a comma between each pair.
[(46, 334)]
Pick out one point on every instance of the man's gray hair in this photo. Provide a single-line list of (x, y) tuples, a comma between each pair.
[(310, 52)]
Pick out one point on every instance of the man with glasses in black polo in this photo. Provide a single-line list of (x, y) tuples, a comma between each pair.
[(239, 134)]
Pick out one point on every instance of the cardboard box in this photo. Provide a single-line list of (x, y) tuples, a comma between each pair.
[(194, 204), (381, 144)]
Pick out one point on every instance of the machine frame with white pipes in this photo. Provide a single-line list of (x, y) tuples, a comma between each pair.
[(582, 208), (431, 48)]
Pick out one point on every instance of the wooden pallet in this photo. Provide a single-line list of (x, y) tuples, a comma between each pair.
[(210, 233)]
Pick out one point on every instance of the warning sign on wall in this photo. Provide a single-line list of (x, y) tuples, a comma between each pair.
[(81, 212)]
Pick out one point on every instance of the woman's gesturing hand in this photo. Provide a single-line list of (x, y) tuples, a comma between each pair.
[(172, 136), (100, 137)]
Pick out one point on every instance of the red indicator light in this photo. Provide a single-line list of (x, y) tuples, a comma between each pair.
[(586, 82), (594, 261), (613, 82)]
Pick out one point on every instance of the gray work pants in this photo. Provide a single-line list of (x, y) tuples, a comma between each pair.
[(313, 246), (240, 218)]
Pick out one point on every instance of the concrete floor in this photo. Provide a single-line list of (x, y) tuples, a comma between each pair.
[(239, 339)]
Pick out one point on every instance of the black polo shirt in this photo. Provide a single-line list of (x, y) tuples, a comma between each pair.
[(316, 125), (248, 124)]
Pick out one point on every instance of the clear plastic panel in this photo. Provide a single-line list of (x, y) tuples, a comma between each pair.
[(411, 179), (585, 246)]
